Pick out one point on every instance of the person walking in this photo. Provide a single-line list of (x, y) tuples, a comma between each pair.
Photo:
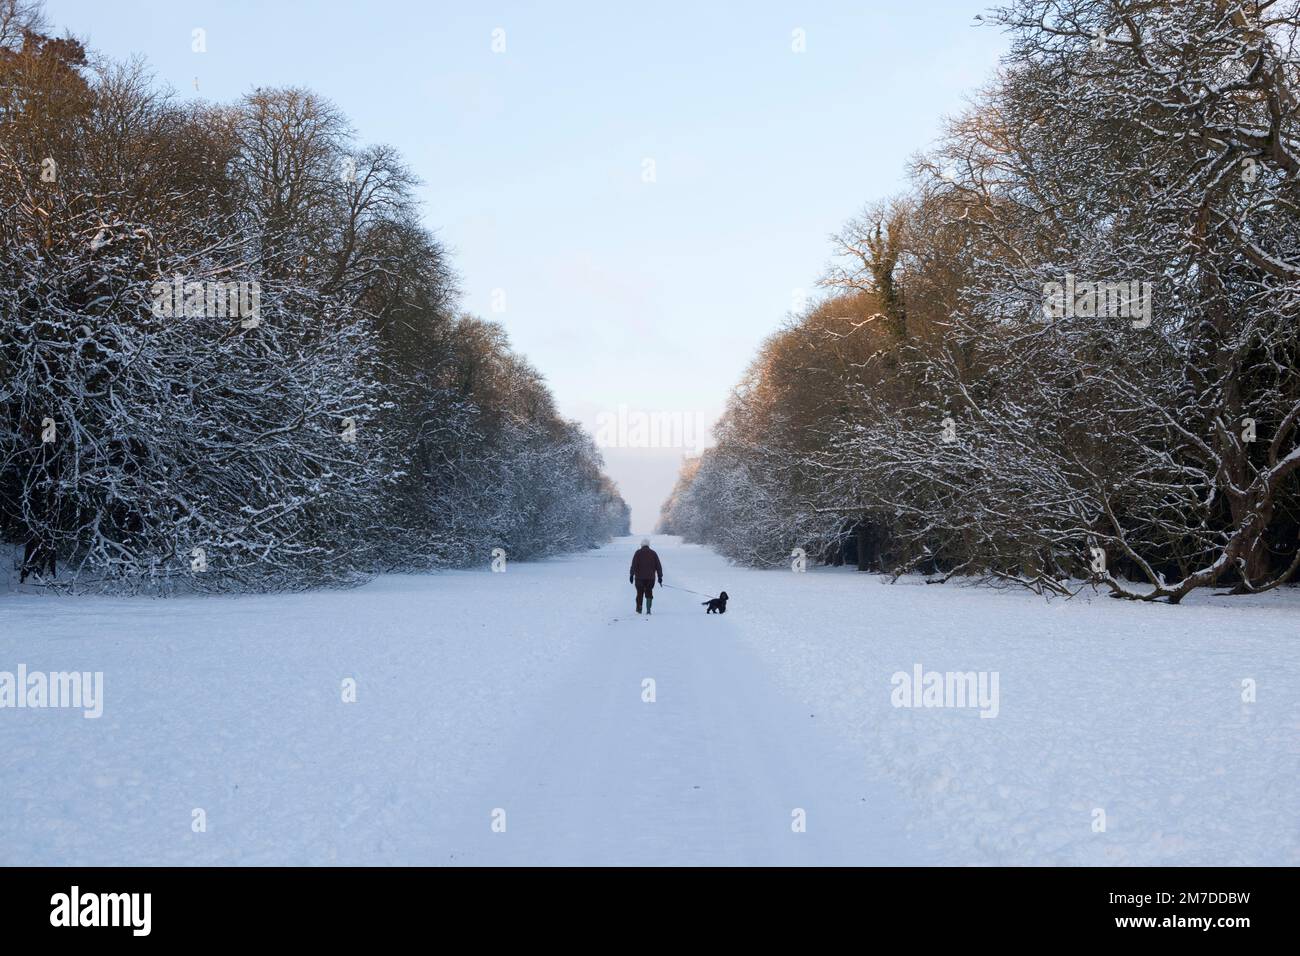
[(645, 568)]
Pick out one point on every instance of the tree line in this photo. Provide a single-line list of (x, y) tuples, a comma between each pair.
[(231, 356), (1069, 350)]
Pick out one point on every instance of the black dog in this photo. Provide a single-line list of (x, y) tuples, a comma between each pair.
[(718, 604)]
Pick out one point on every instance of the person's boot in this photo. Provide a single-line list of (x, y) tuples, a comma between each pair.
[(648, 602)]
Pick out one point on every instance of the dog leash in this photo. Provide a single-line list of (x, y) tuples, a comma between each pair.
[(711, 597)]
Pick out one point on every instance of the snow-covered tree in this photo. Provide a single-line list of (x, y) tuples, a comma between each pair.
[(1088, 360), (229, 355)]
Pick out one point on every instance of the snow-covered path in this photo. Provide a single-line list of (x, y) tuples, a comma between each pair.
[(525, 692), (717, 769)]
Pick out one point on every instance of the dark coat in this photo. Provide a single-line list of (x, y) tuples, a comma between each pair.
[(645, 565)]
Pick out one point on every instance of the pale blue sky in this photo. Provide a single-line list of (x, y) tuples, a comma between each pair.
[(651, 295)]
